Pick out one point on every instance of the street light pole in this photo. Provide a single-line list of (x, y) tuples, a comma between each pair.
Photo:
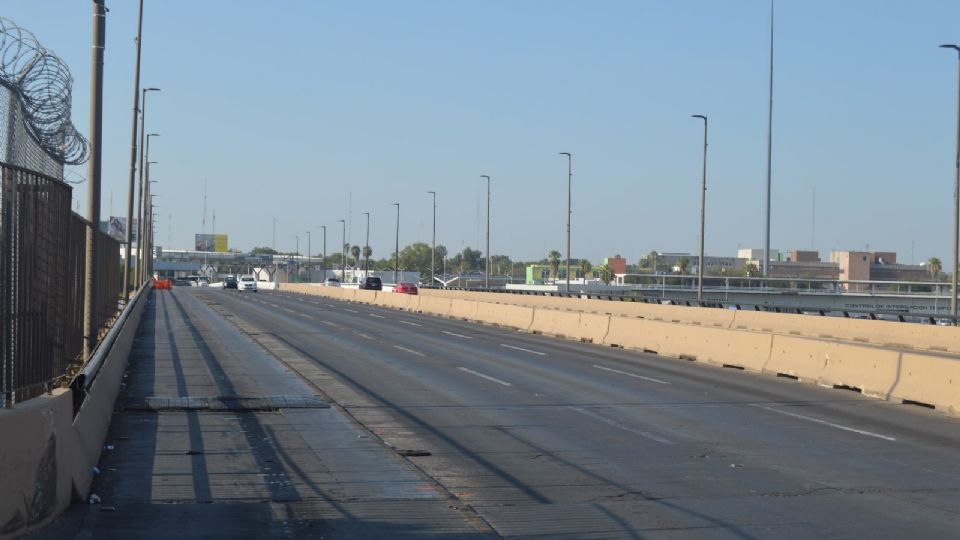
[(396, 254), (486, 275), (569, 209), (323, 264), (128, 233), (766, 237), (433, 249), (956, 198), (366, 248), (703, 208), (308, 256), (343, 250), (296, 253), (142, 247)]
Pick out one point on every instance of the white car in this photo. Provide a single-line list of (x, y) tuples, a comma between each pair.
[(246, 283), (331, 282)]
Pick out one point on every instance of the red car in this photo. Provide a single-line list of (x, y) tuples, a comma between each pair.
[(405, 288)]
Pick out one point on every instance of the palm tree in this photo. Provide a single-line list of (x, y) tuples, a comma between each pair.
[(585, 267), (355, 251), (554, 258), (934, 266), (367, 252), (682, 264), (605, 273)]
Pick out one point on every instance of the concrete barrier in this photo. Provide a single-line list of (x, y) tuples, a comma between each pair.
[(434, 305), (517, 317), (565, 324), (50, 461), (463, 309)]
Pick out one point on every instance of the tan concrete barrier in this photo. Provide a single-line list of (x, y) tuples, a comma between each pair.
[(518, 317), (367, 297), (434, 305), (928, 378), (36, 462), (832, 363), (565, 324), (463, 309)]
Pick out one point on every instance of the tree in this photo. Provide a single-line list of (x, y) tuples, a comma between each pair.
[(934, 267), (355, 251), (553, 259), (585, 267), (416, 258), (683, 263), (261, 250), (604, 272), (468, 260), (367, 252)]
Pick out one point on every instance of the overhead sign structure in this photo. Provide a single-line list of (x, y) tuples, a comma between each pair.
[(212, 242)]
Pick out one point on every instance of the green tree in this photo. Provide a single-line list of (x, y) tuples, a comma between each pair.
[(355, 252), (553, 259), (934, 267), (262, 250), (416, 258), (604, 273), (683, 263), (584, 266)]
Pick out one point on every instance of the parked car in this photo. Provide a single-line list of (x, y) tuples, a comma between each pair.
[(247, 283), (405, 288), (202, 282), (230, 282), (372, 284), (331, 282)]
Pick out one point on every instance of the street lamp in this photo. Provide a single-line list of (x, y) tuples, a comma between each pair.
[(343, 251), (128, 233), (141, 202), (486, 275), (366, 248), (569, 209), (396, 255), (296, 253), (433, 250), (309, 240), (323, 263), (703, 208), (142, 241), (956, 198)]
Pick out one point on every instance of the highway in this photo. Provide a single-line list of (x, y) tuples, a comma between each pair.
[(541, 436)]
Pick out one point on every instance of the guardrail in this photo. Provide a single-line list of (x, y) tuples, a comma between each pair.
[(42, 253)]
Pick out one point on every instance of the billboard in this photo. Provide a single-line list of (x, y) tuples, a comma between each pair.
[(117, 228), (211, 242)]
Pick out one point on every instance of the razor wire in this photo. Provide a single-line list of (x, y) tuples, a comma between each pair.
[(35, 103)]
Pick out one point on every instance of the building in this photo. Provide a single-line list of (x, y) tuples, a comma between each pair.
[(617, 265)]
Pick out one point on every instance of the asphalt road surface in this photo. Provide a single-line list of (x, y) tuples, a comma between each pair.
[(531, 436)]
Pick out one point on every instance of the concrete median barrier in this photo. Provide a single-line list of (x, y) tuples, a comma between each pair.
[(463, 309), (434, 305), (517, 317), (565, 324)]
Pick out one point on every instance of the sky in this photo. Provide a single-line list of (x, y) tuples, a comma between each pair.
[(309, 111)]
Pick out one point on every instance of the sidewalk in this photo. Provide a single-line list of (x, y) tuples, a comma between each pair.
[(215, 438)]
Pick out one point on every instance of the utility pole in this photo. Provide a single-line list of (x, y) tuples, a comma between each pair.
[(309, 279), (569, 209), (396, 254), (703, 209), (433, 250), (486, 275), (323, 263), (766, 237), (91, 294), (956, 200), (366, 249), (133, 160)]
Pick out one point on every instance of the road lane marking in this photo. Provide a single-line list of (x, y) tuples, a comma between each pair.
[(651, 379), (361, 334), (331, 305), (411, 351), (456, 335), (824, 422), (328, 323), (274, 305), (411, 323), (351, 310), (377, 316), (618, 425), (305, 316), (290, 310), (522, 349), (482, 376)]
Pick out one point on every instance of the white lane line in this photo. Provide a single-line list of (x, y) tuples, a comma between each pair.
[(351, 310), (522, 349), (305, 316), (290, 310), (361, 334), (618, 425), (456, 335), (824, 422), (482, 376), (377, 316), (651, 379), (411, 323), (331, 305), (328, 323), (274, 305), (411, 351)]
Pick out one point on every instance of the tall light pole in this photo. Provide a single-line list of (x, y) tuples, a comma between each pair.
[(323, 264), (766, 237), (133, 160), (308, 256), (569, 209), (296, 253), (396, 254), (144, 147), (343, 252), (141, 200), (366, 248), (142, 240), (703, 208), (956, 198), (486, 275), (433, 249)]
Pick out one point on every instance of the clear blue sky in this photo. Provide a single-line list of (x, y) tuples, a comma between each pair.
[(285, 108)]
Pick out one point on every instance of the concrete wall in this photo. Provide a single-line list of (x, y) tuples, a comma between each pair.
[(894, 361), (47, 454)]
